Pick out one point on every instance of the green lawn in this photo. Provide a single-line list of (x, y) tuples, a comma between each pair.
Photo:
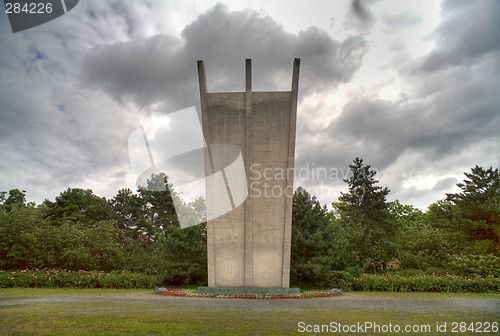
[(140, 312)]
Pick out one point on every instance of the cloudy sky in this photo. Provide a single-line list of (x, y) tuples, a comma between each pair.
[(409, 86)]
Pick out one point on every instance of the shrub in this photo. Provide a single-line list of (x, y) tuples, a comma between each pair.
[(406, 272), (426, 283), (342, 280), (485, 265), (76, 279)]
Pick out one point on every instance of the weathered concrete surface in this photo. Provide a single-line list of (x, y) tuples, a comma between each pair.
[(250, 246)]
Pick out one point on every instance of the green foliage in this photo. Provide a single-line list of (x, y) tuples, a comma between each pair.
[(181, 255), (342, 280), (486, 265), (16, 198), (18, 237), (138, 257), (393, 282), (129, 212), (77, 279), (153, 239), (364, 211), (316, 243), (79, 205), (420, 245), (29, 240), (479, 204), (148, 213), (158, 206), (138, 232)]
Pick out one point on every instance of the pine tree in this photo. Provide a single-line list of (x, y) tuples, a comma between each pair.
[(16, 198), (312, 241), (364, 206), (479, 206)]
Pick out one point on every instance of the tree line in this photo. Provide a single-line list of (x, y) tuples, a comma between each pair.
[(133, 231), (363, 232), (366, 233)]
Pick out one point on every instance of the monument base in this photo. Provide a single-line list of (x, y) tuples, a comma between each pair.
[(248, 291)]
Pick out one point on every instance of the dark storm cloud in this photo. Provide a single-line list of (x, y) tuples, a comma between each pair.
[(367, 128), (360, 17), (51, 134), (414, 195), (445, 184), (453, 119), (163, 68), (360, 10), (468, 31), (447, 122), (54, 133), (138, 69), (382, 131)]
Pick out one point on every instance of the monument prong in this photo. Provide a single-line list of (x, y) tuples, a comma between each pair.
[(287, 228), (202, 77), (248, 75), (295, 76), (248, 216)]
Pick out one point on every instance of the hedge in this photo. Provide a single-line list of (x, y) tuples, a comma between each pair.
[(389, 282), (426, 283), (76, 279)]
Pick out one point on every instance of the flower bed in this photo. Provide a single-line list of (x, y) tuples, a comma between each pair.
[(193, 293)]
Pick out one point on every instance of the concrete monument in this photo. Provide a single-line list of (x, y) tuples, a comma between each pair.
[(249, 247)]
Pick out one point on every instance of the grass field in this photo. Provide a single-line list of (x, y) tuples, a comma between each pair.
[(140, 312)]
